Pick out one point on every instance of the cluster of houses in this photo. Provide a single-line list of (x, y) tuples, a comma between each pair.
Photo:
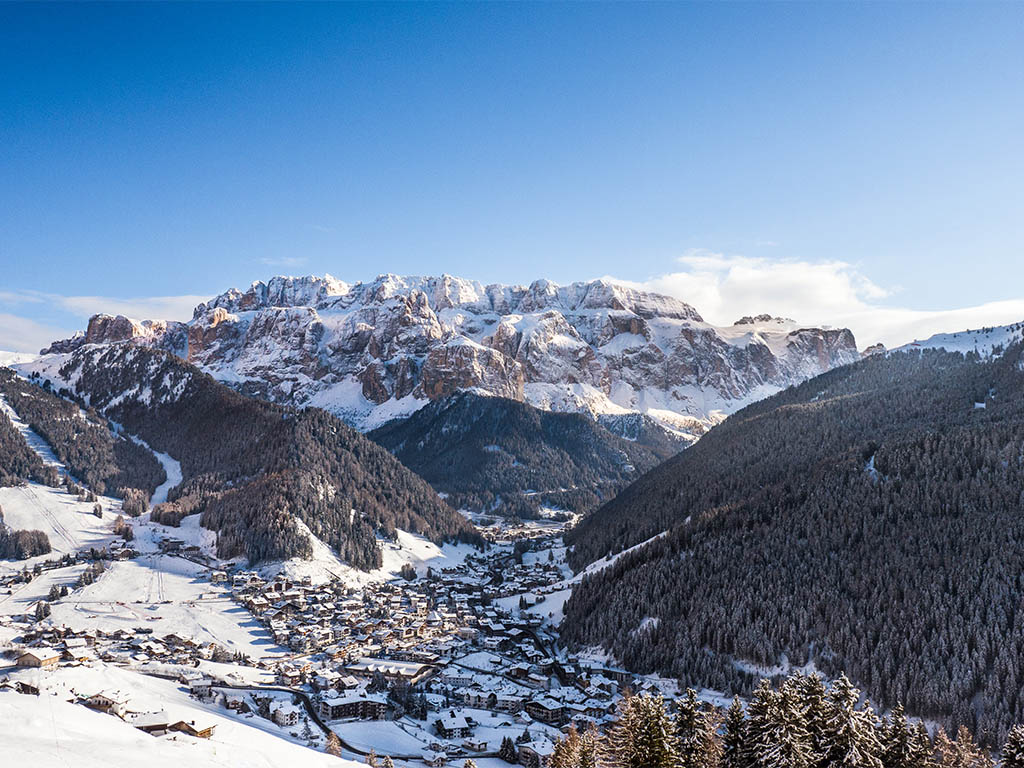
[(460, 641)]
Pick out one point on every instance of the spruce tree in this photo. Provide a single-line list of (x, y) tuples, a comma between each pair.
[(1012, 755), (734, 738), (333, 745), (696, 739), (507, 752), (850, 738), (567, 751)]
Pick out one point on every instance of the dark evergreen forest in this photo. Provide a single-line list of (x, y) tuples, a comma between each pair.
[(500, 456), (254, 469), (869, 520)]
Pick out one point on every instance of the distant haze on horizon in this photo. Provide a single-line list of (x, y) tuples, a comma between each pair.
[(853, 165)]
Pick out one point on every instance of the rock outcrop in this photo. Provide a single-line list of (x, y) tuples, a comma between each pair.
[(370, 352)]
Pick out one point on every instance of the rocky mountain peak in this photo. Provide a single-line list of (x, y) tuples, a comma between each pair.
[(382, 349)]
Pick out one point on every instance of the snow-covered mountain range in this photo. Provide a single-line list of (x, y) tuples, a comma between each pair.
[(371, 352)]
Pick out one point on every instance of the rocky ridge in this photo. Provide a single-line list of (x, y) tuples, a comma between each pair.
[(370, 352)]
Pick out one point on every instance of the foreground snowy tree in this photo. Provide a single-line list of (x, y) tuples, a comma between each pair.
[(642, 737), (1013, 750)]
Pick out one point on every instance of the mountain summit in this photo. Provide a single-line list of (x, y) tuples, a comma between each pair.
[(371, 352)]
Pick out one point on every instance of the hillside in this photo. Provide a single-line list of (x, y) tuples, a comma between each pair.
[(375, 351), (254, 470), (485, 452), (867, 520)]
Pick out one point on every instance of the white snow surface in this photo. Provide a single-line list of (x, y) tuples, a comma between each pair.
[(50, 732), (325, 564), (375, 351), (981, 340)]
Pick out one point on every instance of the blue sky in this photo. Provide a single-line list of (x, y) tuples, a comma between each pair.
[(855, 164)]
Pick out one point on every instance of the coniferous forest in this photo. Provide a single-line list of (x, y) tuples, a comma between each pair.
[(81, 439), (256, 471), (868, 521), (491, 454)]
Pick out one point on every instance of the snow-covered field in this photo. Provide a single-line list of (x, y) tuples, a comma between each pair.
[(49, 732), (410, 548), (68, 523), (168, 595), (981, 340)]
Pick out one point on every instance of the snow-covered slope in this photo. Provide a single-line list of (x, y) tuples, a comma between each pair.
[(48, 731), (371, 352), (982, 340)]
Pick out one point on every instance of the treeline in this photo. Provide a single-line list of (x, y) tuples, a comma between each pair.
[(868, 520), (253, 469), (81, 439), (494, 455), (21, 545), (800, 724)]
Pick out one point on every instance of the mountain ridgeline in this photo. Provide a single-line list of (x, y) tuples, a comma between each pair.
[(492, 454), (256, 470), (867, 520)]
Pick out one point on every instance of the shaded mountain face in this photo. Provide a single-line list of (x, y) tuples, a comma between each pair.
[(495, 455), (253, 469), (868, 520), (371, 352)]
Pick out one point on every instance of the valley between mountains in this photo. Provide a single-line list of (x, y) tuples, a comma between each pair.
[(423, 520)]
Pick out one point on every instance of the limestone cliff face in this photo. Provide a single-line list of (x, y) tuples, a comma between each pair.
[(378, 350)]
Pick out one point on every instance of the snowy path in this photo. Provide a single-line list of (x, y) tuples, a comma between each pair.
[(171, 467)]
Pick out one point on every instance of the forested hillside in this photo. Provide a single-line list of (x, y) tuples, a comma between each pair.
[(82, 440), (253, 468), (491, 454), (868, 520)]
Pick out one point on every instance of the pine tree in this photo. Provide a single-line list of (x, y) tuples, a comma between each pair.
[(962, 753), (1012, 755), (589, 741), (850, 737), (903, 745), (734, 738), (777, 734), (469, 763), (507, 752), (643, 736), (388, 762), (696, 740), (371, 759), (333, 745), (566, 753)]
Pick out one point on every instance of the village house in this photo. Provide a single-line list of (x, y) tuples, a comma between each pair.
[(39, 657), (452, 726), (536, 754), (366, 706)]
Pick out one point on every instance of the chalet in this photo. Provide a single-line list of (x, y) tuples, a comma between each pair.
[(474, 744), (191, 729), (546, 710), (536, 754), (452, 726), (285, 714), (111, 702), (153, 723), (434, 759), (393, 671), (39, 657)]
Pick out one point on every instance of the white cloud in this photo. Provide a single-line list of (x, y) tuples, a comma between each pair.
[(145, 308), (724, 288), (20, 334)]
